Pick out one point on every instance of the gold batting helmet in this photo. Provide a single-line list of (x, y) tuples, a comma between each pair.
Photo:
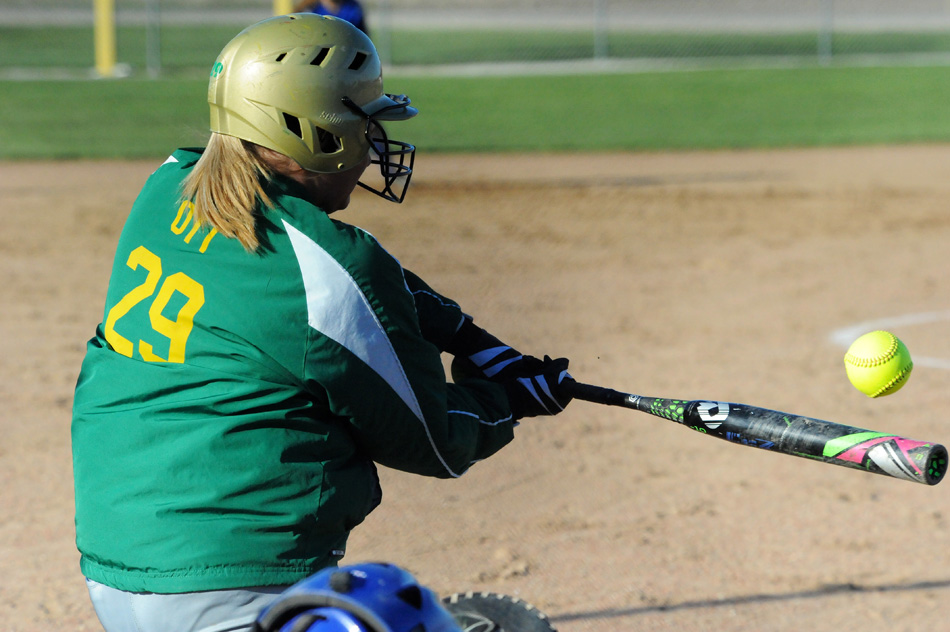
[(311, 87)]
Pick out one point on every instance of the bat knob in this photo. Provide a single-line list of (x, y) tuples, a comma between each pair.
[(936, 465)]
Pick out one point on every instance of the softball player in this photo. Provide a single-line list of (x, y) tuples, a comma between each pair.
[(257, 358), (349, 10)]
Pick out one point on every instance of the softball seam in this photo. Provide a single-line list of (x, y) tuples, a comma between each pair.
[(900, 377), (877, 360)]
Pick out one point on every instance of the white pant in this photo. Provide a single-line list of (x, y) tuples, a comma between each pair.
[(209, 611)]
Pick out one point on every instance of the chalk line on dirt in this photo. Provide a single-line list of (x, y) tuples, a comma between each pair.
[(846, 335)]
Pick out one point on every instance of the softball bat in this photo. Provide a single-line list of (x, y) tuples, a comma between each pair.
[(876, 452)]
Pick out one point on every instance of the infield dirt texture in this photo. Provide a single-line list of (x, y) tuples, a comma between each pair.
[(691, 275)]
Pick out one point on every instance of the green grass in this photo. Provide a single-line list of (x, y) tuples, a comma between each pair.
[(713, 109), (425, 47), (716, 109), (181, 48), (810, 105), (100, 118), (191, 48)]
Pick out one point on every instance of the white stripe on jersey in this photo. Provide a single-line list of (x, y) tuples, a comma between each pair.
[(337, 308)]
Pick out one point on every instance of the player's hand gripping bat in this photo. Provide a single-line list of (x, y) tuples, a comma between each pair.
[(876, 452)]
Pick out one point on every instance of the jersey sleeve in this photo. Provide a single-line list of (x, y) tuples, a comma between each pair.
[(369, 360), (439, 317)]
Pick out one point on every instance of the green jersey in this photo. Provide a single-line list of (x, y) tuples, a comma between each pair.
[(232, 406)]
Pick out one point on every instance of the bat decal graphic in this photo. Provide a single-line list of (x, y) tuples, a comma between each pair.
[(825, 441)]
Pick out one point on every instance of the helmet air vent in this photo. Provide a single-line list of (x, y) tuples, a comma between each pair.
[(358, 61), (412, 595), (293, 125), (341, 582), (329, 143), (321, 57), (281, 57)]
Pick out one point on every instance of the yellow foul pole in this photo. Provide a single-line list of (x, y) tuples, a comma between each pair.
[(104, 29), (283, 7)]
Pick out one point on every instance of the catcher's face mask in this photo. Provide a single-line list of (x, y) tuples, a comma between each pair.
[(395, 158)]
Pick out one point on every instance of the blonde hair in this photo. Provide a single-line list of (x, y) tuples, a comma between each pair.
[(226, 186)]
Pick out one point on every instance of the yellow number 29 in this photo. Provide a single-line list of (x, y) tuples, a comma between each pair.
[(178, 330)]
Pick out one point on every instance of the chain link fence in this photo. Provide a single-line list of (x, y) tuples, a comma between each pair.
[(427, 36)]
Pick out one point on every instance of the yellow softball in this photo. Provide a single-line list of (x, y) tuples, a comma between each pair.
[(878, 364)]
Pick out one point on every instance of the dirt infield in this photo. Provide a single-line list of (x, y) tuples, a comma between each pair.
[(691, 275)]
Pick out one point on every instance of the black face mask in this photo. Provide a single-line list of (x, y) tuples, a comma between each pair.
[(395, 158)]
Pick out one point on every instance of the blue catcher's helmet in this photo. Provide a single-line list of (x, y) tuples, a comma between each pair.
[(372, 597)]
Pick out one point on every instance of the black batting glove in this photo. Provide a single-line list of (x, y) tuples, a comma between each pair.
[(538, 387), (534, 387), (480, 354)]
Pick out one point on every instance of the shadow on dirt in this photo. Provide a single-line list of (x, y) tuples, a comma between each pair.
[(817, 593)]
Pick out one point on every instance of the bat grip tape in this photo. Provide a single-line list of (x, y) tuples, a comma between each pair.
[(596, 394)]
